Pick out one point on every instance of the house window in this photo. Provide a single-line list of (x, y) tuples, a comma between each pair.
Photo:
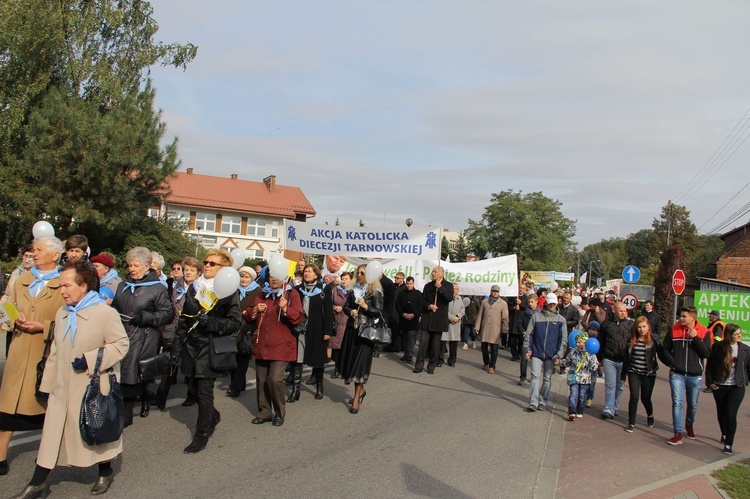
[(231, 225), (256, 227), (206, 221), (275, 229), (179, 215), (253, 253), (153, 212)]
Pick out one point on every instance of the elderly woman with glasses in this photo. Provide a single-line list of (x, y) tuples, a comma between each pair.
[(204, 316), (37, 296), (144, 306)]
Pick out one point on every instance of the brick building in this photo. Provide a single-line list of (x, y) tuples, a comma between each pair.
[(734, 263), (231, 213)]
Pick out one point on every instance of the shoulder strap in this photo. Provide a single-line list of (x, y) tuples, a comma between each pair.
[(98, 360)]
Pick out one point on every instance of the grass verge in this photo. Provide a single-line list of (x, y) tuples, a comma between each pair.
[(734, 479)]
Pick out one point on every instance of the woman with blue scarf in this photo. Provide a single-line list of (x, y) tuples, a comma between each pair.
[(144, 306), (317, 305), (109, 279), (82, 326), (248, 289), (37, 296)]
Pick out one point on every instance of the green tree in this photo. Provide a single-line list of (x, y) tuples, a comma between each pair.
[(462, 249), (445, 248), (530, 225), (674, 228), (79, 137)]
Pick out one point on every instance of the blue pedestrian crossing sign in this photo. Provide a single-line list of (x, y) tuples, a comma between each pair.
[(631, 274)]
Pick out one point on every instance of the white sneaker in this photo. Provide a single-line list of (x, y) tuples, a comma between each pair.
[(465, 347), (474, 345)]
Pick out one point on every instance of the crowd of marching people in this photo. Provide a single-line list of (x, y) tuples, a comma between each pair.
[(79, 318)]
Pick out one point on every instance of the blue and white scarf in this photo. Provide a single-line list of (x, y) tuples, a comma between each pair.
[(92, 298), (245, 290), (275, 293), (108, 277), (132, 285), (39, 278)]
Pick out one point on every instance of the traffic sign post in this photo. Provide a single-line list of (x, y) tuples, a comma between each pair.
[(678, 286), (630, 301), (631, 274)]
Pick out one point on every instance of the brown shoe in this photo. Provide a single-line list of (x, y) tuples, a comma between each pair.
[(485, 367), (102, 485), (491, 371)]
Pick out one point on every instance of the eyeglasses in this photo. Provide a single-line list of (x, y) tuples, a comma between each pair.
[(176, 268), (212, 264), (360, 273)]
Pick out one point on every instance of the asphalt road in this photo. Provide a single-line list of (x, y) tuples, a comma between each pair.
[(458, 433)]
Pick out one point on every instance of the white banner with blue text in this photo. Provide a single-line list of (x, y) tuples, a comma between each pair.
[(367, 242)]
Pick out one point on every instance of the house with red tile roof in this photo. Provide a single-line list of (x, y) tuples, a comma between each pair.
[(229, 213)]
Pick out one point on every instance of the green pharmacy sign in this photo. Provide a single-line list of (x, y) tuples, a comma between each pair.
[(733, 307)]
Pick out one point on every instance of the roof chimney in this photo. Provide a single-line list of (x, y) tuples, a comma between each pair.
[(270, 182), (189, 171), (234, 176)]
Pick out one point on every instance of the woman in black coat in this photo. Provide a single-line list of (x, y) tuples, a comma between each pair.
[(727, 374), (368, 307), (317, 305), (191, 343), (144, 305)]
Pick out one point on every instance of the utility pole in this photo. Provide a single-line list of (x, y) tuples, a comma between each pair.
[(669, 220)]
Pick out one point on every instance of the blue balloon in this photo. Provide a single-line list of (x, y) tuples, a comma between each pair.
[(105, 293), (572, 337), (592, 346)]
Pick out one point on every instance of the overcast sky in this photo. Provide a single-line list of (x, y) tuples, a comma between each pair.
[(392, 109)]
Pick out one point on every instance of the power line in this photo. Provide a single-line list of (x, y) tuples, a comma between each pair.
[(731, 218), (725, 205), (720, 151)]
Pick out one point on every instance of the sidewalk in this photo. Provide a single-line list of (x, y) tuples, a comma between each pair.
[(600, 459)]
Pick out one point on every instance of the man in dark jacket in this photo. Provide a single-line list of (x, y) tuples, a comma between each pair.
[(408, 308), (436, 296), (685, 346), (614, 336), (389, 311), (653, 318)]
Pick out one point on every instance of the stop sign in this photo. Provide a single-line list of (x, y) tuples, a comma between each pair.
[(678, 282)]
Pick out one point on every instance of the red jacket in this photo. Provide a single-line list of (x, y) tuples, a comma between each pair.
[(274, 340), (684, 354)]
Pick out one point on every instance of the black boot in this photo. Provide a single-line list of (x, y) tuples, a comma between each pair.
[(129, 406), (319, 389), (198, 444), (296, 381)]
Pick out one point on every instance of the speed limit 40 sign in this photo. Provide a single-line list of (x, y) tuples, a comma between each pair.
[(630, 301)]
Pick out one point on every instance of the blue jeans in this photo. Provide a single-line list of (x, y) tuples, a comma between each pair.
[(592, 386), (467, 333), (679, 384), (612, 386), (538, 398), (577, 399)]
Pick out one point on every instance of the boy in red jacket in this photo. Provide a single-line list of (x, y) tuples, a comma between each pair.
[(685, 347)]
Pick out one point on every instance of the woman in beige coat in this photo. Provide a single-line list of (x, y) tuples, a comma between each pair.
[(37, 296), (82, 327)]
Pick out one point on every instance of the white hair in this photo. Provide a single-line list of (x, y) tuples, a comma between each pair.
[(140, 254), (52, 243), (157, 260)]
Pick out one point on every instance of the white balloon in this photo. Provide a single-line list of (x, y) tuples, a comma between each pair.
[(42, 229), (576, 300), (238, 257), (226, 282), (466, 301), (553, 286), (373, 271), (278, 267)]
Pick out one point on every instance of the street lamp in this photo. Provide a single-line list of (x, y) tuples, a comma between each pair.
[(198, 240)]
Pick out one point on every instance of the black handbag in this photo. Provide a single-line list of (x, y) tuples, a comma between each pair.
[(222, 353), (376, 331), (43, 363), (245, 346), (102, 416), (153, 367), (300, 328)]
